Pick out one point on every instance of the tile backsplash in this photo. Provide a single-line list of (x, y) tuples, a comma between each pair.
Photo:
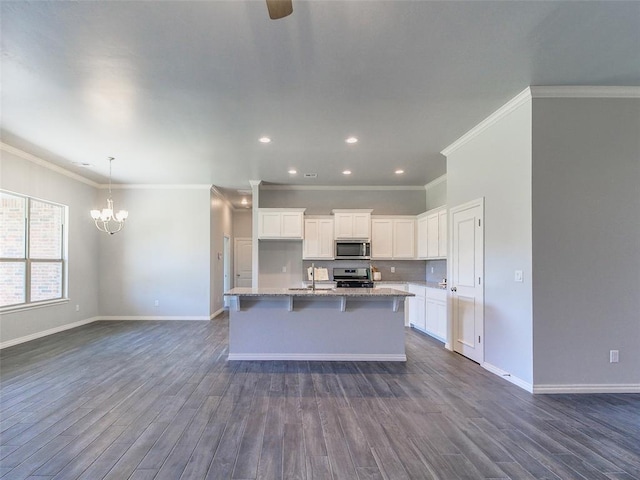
[(408, 271), (439, 268)]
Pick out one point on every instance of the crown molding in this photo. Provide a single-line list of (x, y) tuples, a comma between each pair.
[(436, 182), (150, 186), (584, 91), (44, 163), (339, 187), (517, 101)]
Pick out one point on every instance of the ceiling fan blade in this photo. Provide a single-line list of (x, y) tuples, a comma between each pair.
[(279, 8)]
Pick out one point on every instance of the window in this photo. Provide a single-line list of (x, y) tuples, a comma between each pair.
[(32, 250)]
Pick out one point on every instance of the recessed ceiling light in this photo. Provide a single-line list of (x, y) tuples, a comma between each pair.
[(399, 172), (292, 172), (244, 201), (346, 172), (351, 140), (264, 140)]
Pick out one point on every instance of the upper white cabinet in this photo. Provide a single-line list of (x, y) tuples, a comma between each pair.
[(281, 223), (442, 232), (318, 238), (432, 234), (352, 224), (421, 247), (393, 238), (381, 238)]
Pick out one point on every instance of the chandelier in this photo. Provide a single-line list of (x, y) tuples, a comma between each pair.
[(105, 219)]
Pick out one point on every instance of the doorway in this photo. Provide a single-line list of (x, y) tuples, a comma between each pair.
[(467, 279), (242, 263), (226, 267)]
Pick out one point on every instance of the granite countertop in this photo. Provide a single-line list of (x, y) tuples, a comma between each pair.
[(318, 292), (414, 282)]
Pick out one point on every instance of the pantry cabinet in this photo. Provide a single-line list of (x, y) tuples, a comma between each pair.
[(280, 223)]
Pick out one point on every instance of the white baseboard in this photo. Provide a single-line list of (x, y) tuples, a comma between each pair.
[(324, 357), (588, 388), (159, 317), (44, 333), (508, 377)]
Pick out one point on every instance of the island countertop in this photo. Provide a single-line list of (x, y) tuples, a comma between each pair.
[(318, 292)]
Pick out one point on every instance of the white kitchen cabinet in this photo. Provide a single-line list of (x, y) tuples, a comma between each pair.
[(398, 286), (416, 305), (381, 238), (404, 238), (393, 238), (281, 223), (352, 224), (442, 232), (421, 247), (318, 238), (427, 311), (432, 234), (436, 313)]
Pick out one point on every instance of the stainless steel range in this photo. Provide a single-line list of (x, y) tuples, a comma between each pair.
[(352, 277)]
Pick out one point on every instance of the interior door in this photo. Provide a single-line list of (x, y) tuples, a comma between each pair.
[(242, 262), (467, 279)]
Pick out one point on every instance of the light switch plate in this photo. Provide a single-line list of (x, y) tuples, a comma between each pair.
[(518, 277), (393, 269)]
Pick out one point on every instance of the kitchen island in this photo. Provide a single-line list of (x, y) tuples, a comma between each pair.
[(341, 324)]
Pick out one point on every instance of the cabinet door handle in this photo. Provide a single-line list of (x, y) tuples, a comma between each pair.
[(454, 289)]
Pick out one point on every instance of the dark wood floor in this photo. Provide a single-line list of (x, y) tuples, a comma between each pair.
[(142, 400)]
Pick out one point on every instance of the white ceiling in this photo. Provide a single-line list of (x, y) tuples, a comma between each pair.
[(180, 91)]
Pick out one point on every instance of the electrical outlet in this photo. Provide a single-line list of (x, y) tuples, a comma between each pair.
[(614, 356), (156, 303), (284, 269), (77, 308), (431, 269), (393, 269), (518, 276)]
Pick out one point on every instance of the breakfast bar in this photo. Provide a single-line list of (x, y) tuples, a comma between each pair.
[(339, 324)]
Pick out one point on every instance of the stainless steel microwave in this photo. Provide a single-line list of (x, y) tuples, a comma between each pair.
[(352, 250)]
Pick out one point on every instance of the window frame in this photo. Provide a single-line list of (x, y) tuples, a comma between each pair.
[(28, 261)]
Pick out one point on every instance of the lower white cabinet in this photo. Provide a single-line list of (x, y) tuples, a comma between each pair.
[(417, 314), (436, 313), (428, 310)]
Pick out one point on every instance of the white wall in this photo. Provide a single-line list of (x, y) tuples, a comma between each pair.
[(276, 254), (242, 223), (586, 241), (162, 254), (321, 202), (496, 165), (436, 193), (29, 178)]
